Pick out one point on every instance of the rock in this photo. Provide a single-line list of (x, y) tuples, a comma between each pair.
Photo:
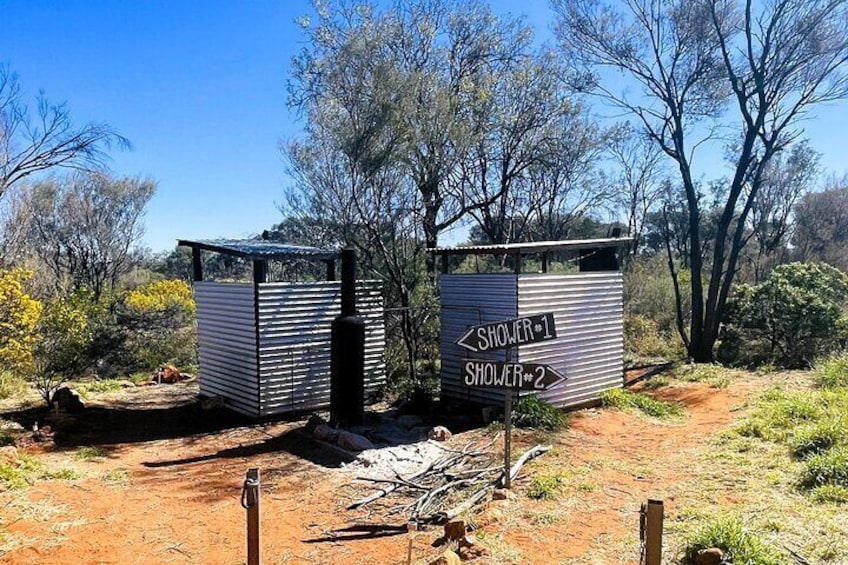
[(313, 422), (447, 558), (408, 421), (8, 454), (710, 556), (125, 383), (440, 433), (471, 550), (353, 442), (68, 400), (186, 376), (168, 374), (9, 426), (326, 433), (501, 494), (455, 529), (212, 403)]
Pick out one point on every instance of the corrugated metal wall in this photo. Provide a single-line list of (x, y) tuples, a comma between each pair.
[(589, 346), (469, 300), (294, 342), (588, 311), (226, 338)]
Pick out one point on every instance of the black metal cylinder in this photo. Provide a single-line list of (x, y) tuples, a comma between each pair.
[(347, 371)]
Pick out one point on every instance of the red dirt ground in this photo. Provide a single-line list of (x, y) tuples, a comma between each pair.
[(176, 500)]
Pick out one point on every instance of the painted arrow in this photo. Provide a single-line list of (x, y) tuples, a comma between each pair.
[(518, 376), (509, 333)]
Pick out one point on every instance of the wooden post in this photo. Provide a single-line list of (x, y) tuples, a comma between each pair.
[(250, 502), (507, 436), (331, 269), (445, 264), (260, 271), (653, 532)]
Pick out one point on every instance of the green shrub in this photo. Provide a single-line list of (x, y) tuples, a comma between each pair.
[(533, 412), (819, 436), (830, 493), (796, 314), (89, 453), (649, 294), (832, 371), (827, 468), (740, 546), (779, 412), (545, 487), (648, 405), (643, 339), (714, 376)]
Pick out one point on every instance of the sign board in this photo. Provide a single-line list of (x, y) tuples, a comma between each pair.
[(509, 333), (516, 376)]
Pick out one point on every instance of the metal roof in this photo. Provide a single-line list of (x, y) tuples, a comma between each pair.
[(261, 249), (532, 247)]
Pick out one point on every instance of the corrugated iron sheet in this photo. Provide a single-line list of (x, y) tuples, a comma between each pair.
[(589, 346), (294, 342), (226, 338), (588, 312)]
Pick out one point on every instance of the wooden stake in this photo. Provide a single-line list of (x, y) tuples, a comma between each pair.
[(250, 502), (653, 532), (507, 437)]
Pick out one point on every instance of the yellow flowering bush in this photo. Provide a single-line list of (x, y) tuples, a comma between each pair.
[(20, 313), (161, 296)]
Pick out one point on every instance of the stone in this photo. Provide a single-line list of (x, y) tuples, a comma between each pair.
[(408, 421), (455, 530), (325, 432), (313, 422), (68, 400), (447, 558), (168, 374), (471, 552), (501, 494), (8, 454), (439, 433), (710, 556), (10, 427), (125, 383), (353, 442)]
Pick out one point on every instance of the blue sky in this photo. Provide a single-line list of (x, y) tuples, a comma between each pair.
[(199, 88)]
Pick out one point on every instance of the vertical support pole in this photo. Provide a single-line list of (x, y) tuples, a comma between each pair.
[(250, 502), (445, 264), (546, 258), (260, 271), (331, 269), (653, 532), (196, 265), (518, 263), (348, 282)]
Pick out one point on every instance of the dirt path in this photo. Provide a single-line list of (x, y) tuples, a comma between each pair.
[(176, 500)]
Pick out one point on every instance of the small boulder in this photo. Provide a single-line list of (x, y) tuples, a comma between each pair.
[(709, 556), (313, 422), (501, 494), (455, 530), (9, 454), (325, 433), (447, 558), (68, 400), (168, 374), (353, 442), (126, 383), (469, 549), (439, 433)]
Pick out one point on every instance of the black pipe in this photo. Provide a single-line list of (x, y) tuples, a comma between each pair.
[(348, 282)]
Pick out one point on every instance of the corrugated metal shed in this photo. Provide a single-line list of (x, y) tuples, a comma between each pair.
[(588, 311), (265, 348)]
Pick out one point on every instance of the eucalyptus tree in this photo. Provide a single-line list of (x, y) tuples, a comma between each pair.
[(412, 78), (34, 141), (707, 71)]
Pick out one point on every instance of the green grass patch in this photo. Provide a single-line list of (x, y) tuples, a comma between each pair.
[(817, 437), (533, 412), (655, 383), (832, 372), (545, 487), (713, 376), (830, 493), (779, 412), (627, 400), (740, 545), (97, 387), (827, 468), (11, 385), (89, 453)]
